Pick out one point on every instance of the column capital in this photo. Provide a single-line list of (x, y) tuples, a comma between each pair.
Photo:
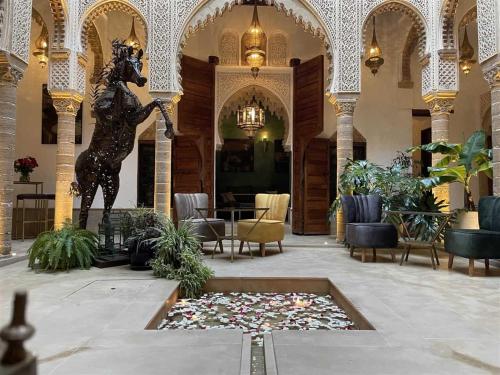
[(344, 104), (10, 75), (491, 72), (66, 102), (440, 102)]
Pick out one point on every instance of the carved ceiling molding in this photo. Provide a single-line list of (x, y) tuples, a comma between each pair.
[(278, 49), (469, 17), (230, 81), (418, 20), (267, 100), (106, 7), (229, 48), (96, 47), (58, 15)]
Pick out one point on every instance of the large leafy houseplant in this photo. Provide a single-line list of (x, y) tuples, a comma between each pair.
[(460, 163), (395, 184), (63, 249), (178, 257), (140, 229)]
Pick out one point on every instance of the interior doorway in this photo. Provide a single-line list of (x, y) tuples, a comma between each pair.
[(146, 174), (249, 166)]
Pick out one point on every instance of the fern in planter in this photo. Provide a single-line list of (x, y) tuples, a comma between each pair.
[(178, 257), (63, 249)]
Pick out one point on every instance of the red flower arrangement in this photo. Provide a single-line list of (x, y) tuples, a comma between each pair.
[(25, 166)]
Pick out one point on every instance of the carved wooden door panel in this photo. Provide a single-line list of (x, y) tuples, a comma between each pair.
[(307, 123), (317, 186), (196, 125), (187, 166)]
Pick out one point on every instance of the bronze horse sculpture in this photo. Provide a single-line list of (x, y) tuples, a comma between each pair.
[(118, 112)]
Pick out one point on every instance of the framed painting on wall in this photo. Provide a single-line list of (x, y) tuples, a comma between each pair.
[(50, 119)]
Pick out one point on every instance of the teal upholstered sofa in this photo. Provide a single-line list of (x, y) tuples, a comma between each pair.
[(483, 243)]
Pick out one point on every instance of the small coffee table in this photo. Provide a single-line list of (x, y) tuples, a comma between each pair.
[(204, 213)]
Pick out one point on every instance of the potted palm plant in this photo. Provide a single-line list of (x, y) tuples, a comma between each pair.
[(460, 163)]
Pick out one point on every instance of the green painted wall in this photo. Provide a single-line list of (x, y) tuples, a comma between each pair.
[(264, 177)]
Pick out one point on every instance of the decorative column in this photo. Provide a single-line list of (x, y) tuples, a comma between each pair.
[(440, 108), (345, 131), (163, 164), (344, 109), (9, 78), (492, 75), (66, 105)]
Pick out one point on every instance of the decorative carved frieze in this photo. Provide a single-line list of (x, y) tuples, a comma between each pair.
[(66, 103), (492, 73), (440, 104), (344, 104), (229, 48), (10, 75)]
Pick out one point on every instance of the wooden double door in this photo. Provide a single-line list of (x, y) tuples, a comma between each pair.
[(193, 149)]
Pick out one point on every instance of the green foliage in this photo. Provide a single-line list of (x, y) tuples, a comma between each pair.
[(395, 184), (459, 164), (178, 257), (142, 225), (63, 249), (424, 227)]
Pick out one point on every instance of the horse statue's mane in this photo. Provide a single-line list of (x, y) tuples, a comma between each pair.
[(108, 73)]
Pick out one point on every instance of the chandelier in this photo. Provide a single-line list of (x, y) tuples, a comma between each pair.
[(466, 55), (375, 60), (254, 44), (42, 47), (250, 118), (133, 40)]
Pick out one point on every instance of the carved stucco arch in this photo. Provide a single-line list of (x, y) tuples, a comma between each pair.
[(447, 24), (277, 81), (315, 16), (59, 15), (417, 14), (287, 135), (103, 7)]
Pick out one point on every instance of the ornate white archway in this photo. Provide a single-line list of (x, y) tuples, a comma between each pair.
[(91, 13), (316, 16), (269, 97)]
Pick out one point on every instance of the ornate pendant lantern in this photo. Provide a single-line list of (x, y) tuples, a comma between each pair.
[(466, 54), (250, 118), (254, 47), (133, 40), (375, 60), (42, 47)]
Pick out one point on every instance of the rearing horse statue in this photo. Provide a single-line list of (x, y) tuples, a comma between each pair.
[(118, 112)]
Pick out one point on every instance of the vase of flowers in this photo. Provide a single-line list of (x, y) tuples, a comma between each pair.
[(25, 166)]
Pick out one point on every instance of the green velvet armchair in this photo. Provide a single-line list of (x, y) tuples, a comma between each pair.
[(482, 243)]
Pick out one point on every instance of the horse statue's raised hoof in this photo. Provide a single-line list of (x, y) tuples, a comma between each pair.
[(169, 132)]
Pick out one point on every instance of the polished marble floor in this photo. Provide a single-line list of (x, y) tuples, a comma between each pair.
[(427, 322)]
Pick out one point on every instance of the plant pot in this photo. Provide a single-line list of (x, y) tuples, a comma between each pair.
[(467, 220), (140, 257)]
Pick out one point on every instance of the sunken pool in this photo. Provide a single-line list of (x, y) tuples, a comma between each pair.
[(258, 306)]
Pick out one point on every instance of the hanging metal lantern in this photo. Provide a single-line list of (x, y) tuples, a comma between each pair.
[(41, 51), (133, 40), (375, 60), (250, 118), (254, 38), (466, 54)]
